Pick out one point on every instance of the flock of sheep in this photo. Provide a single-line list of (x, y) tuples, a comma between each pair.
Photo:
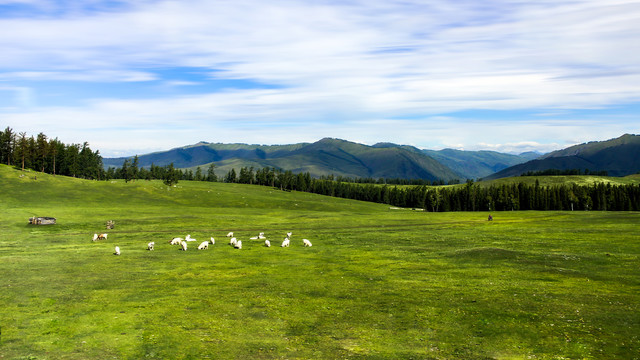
[(237, 244)]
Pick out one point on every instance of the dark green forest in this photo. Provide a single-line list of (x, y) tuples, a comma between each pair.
[(49, 156), (465, 197), (78, 160)]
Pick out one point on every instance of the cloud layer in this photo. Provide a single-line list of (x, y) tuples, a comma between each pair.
[(428, 73)]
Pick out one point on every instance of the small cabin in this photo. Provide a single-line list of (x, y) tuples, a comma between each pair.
[(42, 220)]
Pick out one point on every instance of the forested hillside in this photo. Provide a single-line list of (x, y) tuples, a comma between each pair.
[(616, 157), (49, 155), (322, 158)]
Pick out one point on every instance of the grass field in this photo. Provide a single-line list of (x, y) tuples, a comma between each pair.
[(377, 283)]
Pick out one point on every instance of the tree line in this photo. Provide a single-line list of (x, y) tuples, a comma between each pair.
[(467, 197), (556, 172), (131, 171), (50, 156)]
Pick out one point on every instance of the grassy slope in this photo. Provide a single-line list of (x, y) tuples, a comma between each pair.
[(583, 180), (376, 284)]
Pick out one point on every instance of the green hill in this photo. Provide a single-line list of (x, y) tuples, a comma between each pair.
[(470, 164), (325, 157), (378, 283), (618, 157)]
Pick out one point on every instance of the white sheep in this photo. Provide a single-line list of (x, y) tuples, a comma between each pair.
[(285, 243), (95, 237), (267, 243), (238, 244), (306, 242), (253, 238), (189, 238), (289, 235), (183, 245), (175, 241), (203, 245), (230, 234), (233, 241), (102, 236), (213, 241), (261, 236), (117, 252), (151, 245)]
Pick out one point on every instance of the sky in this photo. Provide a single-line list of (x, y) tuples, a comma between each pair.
[(133, 77)]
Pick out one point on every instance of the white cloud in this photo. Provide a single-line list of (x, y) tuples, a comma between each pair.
[(337, 66)]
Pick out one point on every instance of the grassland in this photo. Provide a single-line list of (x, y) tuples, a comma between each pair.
[(377, 284)]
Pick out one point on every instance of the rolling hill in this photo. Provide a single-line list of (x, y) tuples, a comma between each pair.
[(619, 157), (325, 157), (338, 157), (471, 164)]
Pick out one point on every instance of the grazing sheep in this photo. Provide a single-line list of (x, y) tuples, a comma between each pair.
[(289, 235), (285, 243), (261, 236), (230, 234), (117, 252), (203, 245), (95, 237), (306, 242), (183, 245), (213, 241), (238, 244), (189, 238), (102, 236), (175, 241), (151, 245), (253, 238), (267, 243), (233, 241)]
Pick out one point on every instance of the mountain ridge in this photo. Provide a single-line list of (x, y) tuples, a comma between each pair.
[(328, 156), (618, 157)]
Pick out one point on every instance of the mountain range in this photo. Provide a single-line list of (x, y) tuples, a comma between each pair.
[(338, 157), (618, 157)]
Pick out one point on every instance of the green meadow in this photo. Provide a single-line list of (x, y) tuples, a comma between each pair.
[(378, 283)]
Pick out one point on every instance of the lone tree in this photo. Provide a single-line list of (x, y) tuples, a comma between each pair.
[(171, 175)]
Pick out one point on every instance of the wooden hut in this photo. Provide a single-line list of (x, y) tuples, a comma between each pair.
[(41, 220)]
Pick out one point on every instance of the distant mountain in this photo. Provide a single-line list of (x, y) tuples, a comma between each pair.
[(619, 157), (325, 157), (470, 164)]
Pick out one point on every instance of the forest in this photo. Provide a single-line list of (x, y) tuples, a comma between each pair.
[(78, 160), (49, 156), (465, 197)]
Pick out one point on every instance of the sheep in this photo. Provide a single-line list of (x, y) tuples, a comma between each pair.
[(213, 241), (285, 243), (189, 238), (261, 236), (204, 245), (238, 244), (230, 234), (102, 236), (183, 245), (253, 238), (233, 241), (289, 235), (95, 237), (306, 242), (175, 241), (267, 243), (117, 252), (151, 245)]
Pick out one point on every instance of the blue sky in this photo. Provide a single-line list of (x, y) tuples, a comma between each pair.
[(132, 77)]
